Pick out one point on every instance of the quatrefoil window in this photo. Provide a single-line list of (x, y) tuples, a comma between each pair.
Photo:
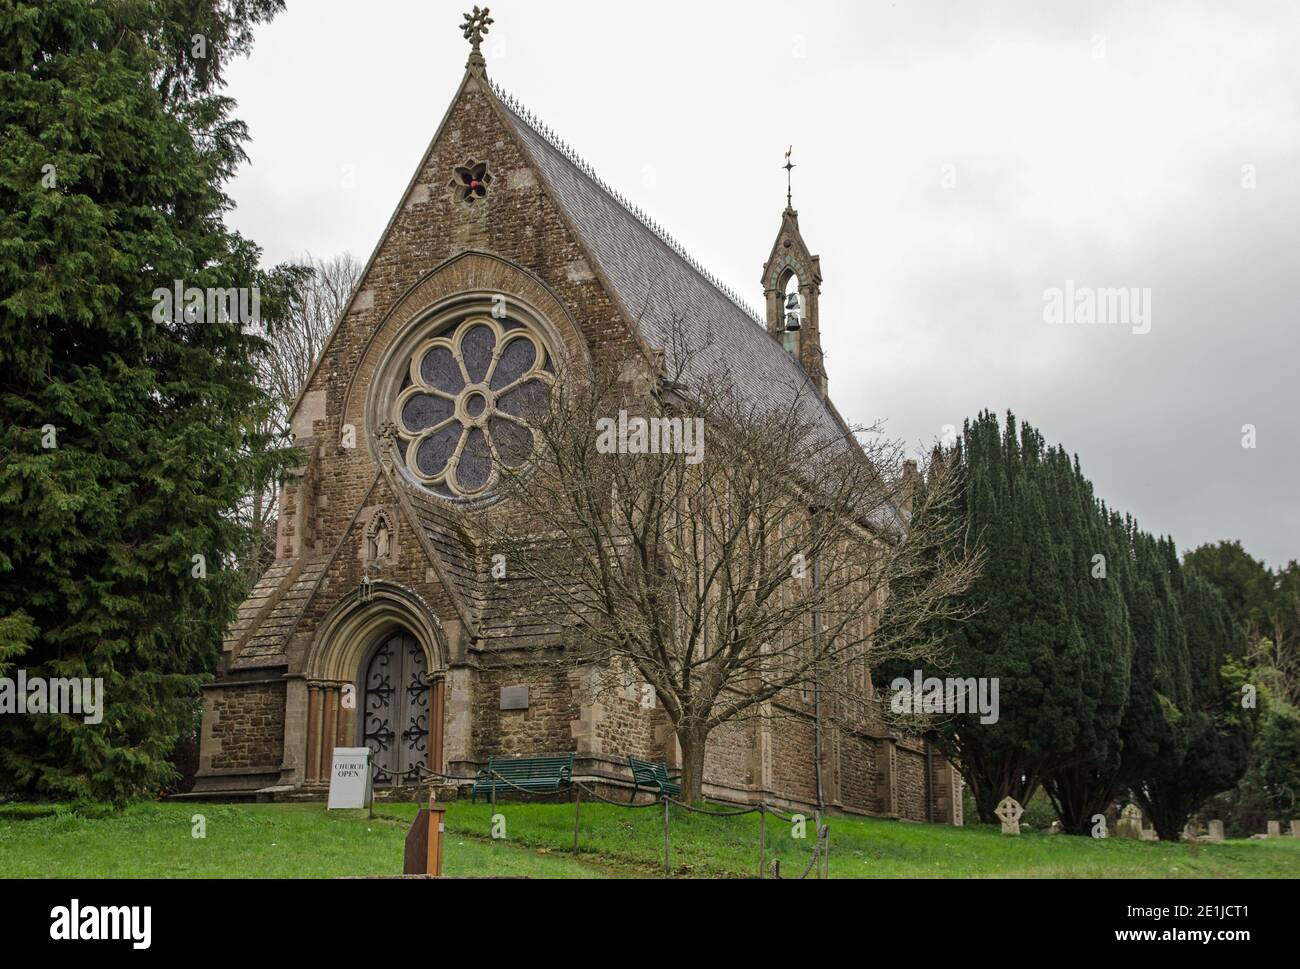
[(470, 181), (462, 413)]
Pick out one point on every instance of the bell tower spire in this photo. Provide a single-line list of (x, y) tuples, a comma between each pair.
[(792, 278)]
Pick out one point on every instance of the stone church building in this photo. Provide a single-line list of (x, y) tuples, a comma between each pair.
[(377, 625)]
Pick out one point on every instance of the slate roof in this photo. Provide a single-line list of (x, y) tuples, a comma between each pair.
[(499, 607), (257, 602), (266, 645), (452, 543), (665, 289)]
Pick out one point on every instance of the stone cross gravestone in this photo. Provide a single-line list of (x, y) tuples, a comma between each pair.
[(350, 781), (1009, 812)]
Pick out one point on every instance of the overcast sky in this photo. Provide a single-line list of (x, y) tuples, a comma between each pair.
[(956, 162)]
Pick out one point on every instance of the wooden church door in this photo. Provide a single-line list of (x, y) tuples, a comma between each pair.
[(396, 710)]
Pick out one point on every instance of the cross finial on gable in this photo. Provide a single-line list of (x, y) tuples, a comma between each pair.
[(475, 26)]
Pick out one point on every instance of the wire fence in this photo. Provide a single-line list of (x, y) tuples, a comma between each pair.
[(819, 860)]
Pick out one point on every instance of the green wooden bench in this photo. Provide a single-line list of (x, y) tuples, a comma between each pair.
[(536, 775), (650, 775)]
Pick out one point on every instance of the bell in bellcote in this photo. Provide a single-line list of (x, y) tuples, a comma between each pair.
[(792, 321)]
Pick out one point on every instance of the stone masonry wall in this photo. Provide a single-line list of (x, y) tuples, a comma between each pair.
[(859, 790), (407, 567), (911, 784), (627, 729), (249, 723), (794, 771), (544, 728), (729, 755)]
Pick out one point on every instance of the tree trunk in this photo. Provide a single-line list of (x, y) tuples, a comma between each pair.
[(692, 780), (1079, 795), (1167, 810)]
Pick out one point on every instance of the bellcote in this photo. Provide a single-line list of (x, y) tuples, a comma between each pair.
[(792, 279)]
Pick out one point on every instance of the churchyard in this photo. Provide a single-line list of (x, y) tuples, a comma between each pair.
[(178, 840)]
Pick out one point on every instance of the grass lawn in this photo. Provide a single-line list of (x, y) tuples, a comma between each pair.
[(303, 841)]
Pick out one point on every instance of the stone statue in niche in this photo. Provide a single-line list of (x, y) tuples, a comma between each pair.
[(381, 540)]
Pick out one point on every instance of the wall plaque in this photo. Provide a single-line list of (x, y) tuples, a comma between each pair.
[(514, 698)]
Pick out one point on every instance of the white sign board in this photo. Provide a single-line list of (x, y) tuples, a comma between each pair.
[(350, 785)]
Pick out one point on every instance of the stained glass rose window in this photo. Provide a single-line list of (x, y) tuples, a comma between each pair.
[(463, 408)]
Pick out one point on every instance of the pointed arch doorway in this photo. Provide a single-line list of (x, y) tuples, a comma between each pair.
[(376, 677), (401, 718)]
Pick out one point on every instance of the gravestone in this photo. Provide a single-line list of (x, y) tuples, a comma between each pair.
[(1149, 834), (1275, 829), (1216, 831), (1295, 829), (350, 781), (1130, 823), (1009, 812)]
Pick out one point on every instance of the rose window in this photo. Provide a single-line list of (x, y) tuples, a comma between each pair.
[(462, 412)]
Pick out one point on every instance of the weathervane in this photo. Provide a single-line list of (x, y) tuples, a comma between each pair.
[(789, 167), (476, 25)]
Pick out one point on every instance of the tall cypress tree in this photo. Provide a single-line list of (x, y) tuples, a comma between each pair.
[(1046, 625), (124, 430), (1095, 670), (1110, 659), (1055, 639), (1186, 736), (1017, 613)]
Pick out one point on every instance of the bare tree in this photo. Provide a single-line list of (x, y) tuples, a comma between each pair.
[(314, 297), (311, 317), (730, 554), (1284, 620)]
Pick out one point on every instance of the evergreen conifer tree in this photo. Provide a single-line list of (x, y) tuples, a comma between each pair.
[(124, 429)]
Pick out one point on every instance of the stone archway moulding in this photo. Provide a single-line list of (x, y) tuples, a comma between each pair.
[(355, 625)]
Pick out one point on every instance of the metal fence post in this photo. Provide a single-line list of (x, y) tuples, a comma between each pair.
[(665, 835), (577, 814)]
